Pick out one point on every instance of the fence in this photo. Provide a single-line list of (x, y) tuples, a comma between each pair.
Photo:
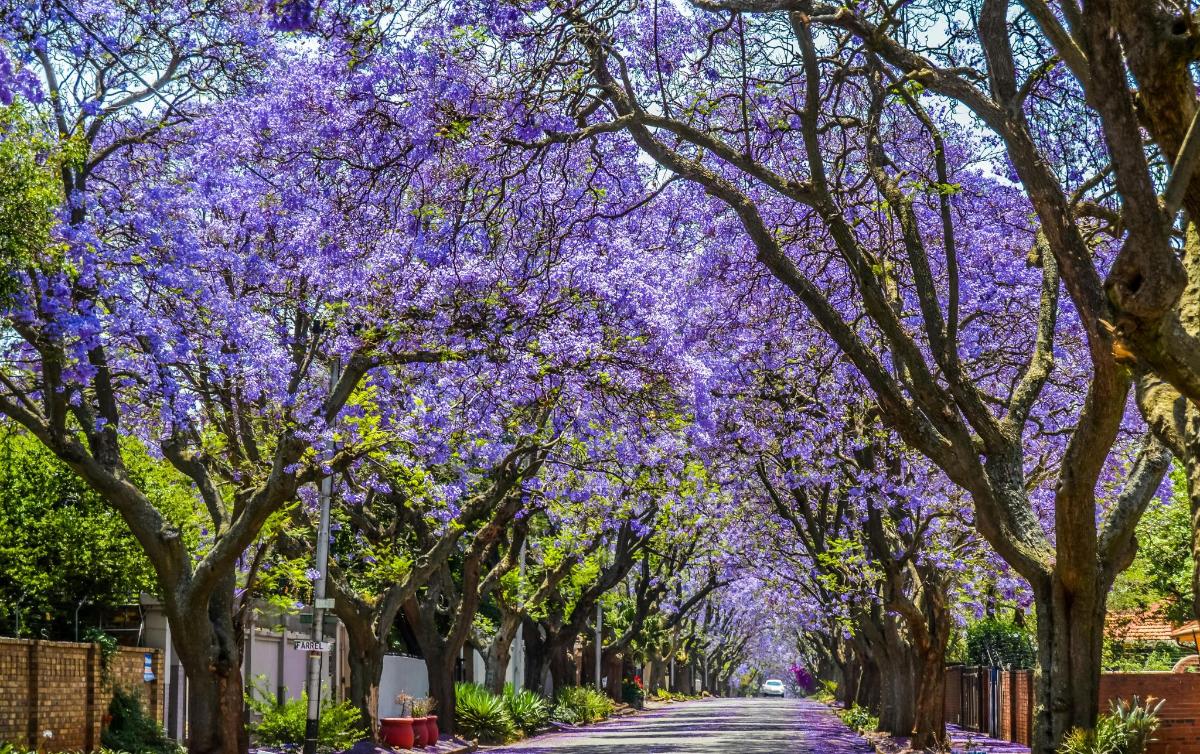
[(59, 689), (999, 703)]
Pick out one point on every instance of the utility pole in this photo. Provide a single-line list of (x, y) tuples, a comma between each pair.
[(316, 650), (518, 680), (599, 642)]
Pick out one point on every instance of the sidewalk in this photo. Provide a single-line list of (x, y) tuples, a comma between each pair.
[(961, 737), (961, 741)]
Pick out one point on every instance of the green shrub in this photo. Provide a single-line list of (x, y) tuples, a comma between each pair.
[(826, 692), (577, 704), (632, 693), (6, 748), (1134, 656), (341, 724), (1127, 729), (1001, 644), (132, 729), (859, 719), (528, 710), (482, 715)]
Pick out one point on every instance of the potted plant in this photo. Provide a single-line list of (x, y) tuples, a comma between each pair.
[(420, 734), (423, 710), (633, 692), (398, 731)]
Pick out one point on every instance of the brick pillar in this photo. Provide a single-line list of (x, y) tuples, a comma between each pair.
[(32, 731), (1012, 703), (92, 732)]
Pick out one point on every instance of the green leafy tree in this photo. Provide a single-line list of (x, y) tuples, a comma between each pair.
[(1161, 575), (62, 545), (30, 191)]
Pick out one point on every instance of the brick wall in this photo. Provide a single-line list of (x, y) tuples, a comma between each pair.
[(1023, 724), (57, 687), (1179, 732)]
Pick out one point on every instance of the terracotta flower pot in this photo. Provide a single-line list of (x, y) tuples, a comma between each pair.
[(397, 731), (431, 730)]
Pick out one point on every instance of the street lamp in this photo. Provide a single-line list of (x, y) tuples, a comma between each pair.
[(82, 602)]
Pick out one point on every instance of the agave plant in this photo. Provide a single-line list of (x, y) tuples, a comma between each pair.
[(1127, 729), (528, 710), (482, 715)]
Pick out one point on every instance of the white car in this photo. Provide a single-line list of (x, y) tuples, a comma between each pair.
[(773, 687)]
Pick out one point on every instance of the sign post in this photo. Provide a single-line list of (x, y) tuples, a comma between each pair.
[(318, 647), (599, 643)]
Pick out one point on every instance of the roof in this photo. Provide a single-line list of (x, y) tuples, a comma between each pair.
[(1187, 632), (1148, 624)]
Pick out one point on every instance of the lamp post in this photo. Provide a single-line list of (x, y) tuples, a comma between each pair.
[(82, 602), (316, 654)]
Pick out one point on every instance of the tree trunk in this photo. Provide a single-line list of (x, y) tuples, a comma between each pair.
[(1192, 469), (215, 712), (210, 650), (929, 727), (897, 691), (439, 666), (1070, 639), (851, 674), (612, 669), (498, 653), (536, 657), (562, 670), (495, 663), (366, 671), (870, 682), (892, 678)]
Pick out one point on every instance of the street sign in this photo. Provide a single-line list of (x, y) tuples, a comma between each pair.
[(325, 603), (314, 646)]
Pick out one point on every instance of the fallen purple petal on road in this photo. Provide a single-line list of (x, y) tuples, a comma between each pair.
[(745, 726)]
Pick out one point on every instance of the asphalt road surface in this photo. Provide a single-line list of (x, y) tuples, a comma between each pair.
[(716, 726)]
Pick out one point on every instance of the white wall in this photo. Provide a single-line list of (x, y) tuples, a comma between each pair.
[(271, 660), (401, 674), (262, 653)]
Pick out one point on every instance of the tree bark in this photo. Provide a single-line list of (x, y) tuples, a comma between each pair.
[(215, 711), (929, 725), (209, 643), (366, 672), (439, 665), (1070, 638), (898, 671), (499, 651), (562, 669), (536, 656)]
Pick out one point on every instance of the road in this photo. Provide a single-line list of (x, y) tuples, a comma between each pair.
[(712, 726)]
